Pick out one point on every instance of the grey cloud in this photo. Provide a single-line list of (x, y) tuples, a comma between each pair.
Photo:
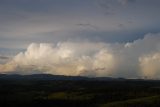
[(4, 57), (121, 25), (110, 7), (51, 21), (87, 25), (125, 2), (106, 7)]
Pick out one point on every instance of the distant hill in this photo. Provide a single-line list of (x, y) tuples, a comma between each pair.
[(55, 77)]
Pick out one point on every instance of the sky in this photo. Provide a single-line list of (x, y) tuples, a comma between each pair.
[(118, 38)]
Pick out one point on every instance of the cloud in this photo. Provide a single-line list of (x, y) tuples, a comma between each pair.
[(125, 2), (137, 59), (110, 7), (150, 65), (4, 57), (106, 6), (63, 59), (87, 25)]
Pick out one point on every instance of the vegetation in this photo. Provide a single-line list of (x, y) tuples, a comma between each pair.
[(82, 93)]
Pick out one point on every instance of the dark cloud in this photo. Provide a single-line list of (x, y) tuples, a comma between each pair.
[(4, 57), (121, 25), (27, 21), (87, 25)]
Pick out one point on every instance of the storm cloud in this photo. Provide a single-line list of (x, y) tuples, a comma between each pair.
[(80, 37), (136, 59)]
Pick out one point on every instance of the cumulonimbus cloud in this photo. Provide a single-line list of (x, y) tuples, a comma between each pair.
[(63, 59), (136, 59)]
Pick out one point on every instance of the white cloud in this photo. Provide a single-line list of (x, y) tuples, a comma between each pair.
[(63, 59), (131, 60)]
